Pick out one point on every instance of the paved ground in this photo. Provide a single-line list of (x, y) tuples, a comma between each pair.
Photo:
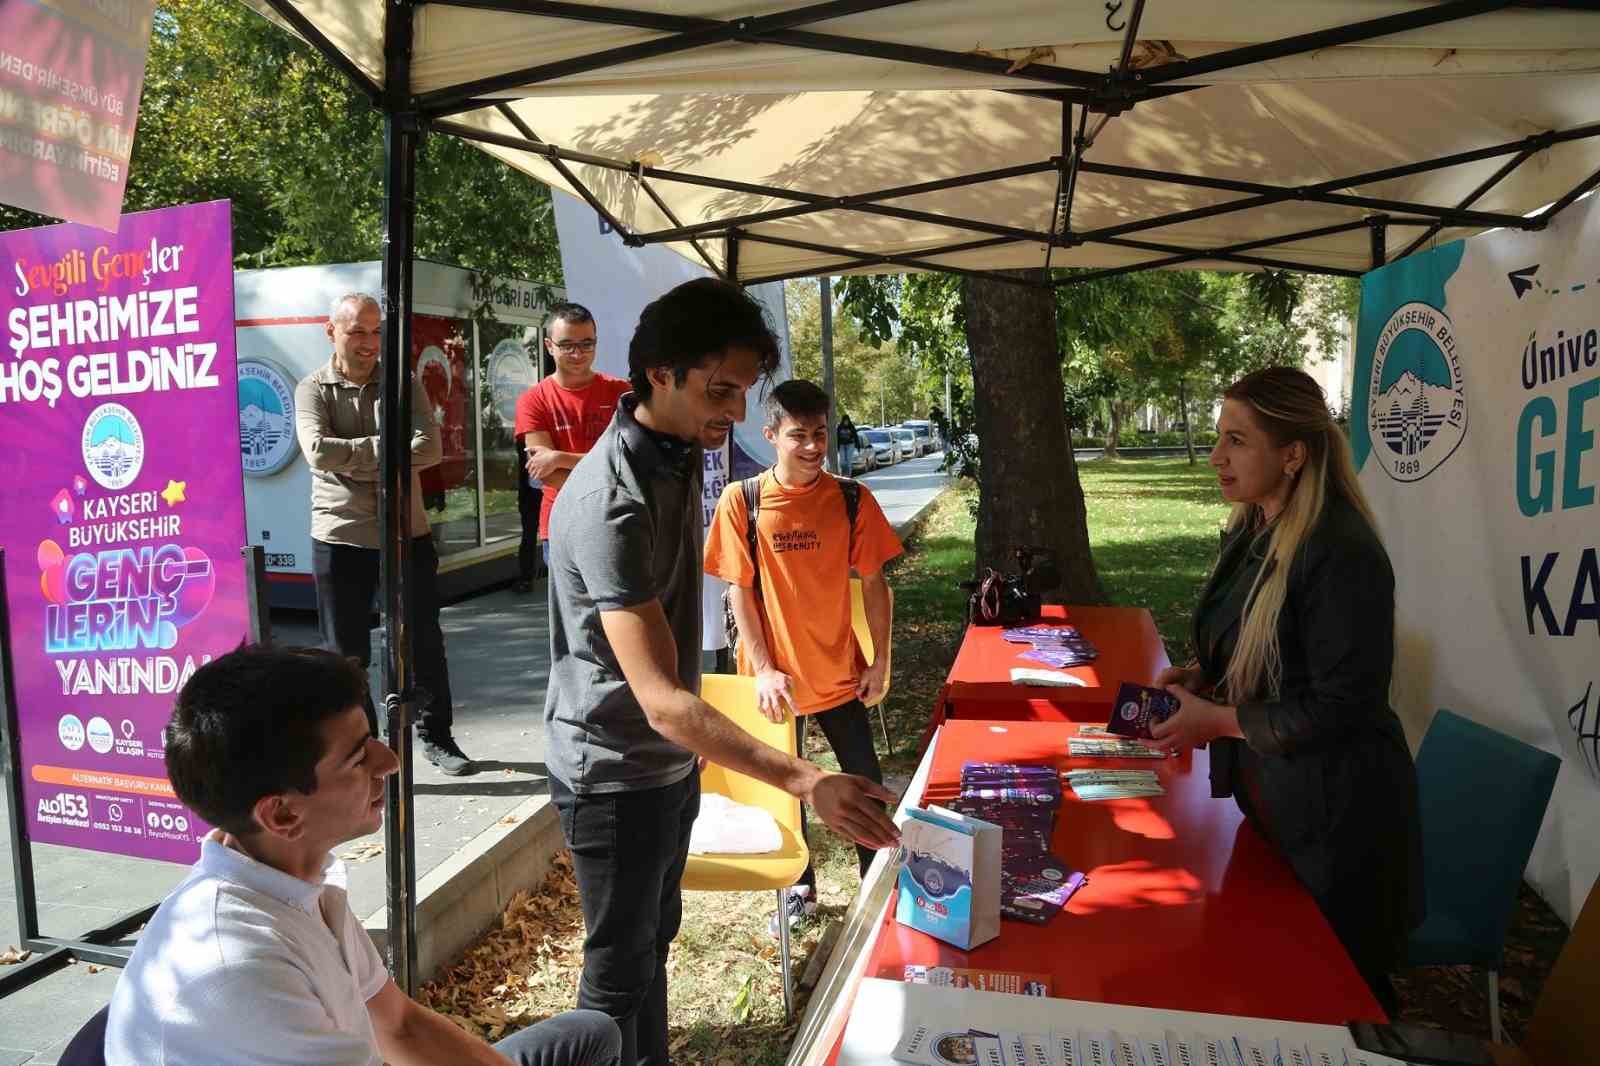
[(498, 661)]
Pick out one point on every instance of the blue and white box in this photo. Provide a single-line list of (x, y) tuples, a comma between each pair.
[(949, 876)]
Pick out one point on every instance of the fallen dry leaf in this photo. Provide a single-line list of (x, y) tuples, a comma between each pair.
[(363, 852), (12, 955)]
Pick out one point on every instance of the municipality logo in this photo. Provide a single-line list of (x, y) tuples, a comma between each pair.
[(1417, 410), (266, 417), (113, 446), (510, 375)]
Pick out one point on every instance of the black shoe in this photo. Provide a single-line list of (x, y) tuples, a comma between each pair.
[(448, 757)]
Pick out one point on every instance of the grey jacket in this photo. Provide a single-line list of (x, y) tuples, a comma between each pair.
[(336, 421)]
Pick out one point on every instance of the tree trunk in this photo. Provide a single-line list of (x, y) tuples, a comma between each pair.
[(1029, 493), (1116, 428), (1183, 407)]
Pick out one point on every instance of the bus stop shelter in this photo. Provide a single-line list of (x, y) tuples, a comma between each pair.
[(771, 140)]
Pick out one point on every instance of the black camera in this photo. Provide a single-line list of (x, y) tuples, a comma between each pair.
[(1013, 599)]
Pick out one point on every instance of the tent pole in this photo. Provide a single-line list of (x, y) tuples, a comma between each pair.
[(1471, 198), (566, 173), (1352, 33), (825, 304), (400, 134), (1380, 240), (1038, 74), (1566, 201), (1322, 193), (462, 96)]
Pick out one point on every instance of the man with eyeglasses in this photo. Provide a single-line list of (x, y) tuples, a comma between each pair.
[(336, 420), (559, 419)]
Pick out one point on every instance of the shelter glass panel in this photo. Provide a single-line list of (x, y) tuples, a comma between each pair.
[(507, 355), (450, 491)]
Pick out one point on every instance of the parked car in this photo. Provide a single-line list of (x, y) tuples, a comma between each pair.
[(906, 442), (865, 459), (927, 434), (884, 448)]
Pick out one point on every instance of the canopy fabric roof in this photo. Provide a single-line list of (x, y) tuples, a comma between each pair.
[(1095, 123)]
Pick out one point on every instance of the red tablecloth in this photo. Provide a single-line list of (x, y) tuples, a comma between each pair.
[(979, 685), (1186, 906)]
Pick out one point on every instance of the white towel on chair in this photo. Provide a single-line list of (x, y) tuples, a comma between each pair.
[(728, 828)]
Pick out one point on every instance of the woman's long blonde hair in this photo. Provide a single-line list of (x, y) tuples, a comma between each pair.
[(1289, 406)]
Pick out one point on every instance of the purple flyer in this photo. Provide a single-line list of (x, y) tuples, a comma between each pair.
[(1036, 892), (121, 512), (1137, 708)]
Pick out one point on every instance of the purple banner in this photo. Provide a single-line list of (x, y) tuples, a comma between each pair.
[(70, 76), (121, 511)]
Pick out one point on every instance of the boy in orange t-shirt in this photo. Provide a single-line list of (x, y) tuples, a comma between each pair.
[(792, 604)]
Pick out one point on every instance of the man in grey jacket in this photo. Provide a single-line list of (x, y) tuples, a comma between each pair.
[(336, 419)]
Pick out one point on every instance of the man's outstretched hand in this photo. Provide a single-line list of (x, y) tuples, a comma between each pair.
[(853, 807)]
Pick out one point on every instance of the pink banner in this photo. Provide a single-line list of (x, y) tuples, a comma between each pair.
[(70, 76)]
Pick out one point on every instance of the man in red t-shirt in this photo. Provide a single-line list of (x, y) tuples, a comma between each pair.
[(559, 419)]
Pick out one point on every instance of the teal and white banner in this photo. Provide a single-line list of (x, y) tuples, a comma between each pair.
[(1474, 414)]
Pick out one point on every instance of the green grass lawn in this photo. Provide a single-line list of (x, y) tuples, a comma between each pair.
[(1153, 525)]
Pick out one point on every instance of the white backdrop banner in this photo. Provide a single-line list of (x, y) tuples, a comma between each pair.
[(615, 283), (1477, 400)]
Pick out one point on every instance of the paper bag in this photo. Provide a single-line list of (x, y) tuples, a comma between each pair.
[(949, 876)]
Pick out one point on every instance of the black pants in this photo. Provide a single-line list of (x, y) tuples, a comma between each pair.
[(850, 736), (528, 500), (628, 852), (347, 579), (576, 1038)]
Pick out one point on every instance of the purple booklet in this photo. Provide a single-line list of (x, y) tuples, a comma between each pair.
[(1018, 795), (1059, 658), (1036, 891), (1137, 708), (1037, 633), (1020, 848), (1009, 770)]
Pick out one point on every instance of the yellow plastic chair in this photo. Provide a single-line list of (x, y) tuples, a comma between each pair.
[(735, 697), (858, 622)]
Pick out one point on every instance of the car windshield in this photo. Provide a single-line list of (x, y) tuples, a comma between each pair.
[(878, 436)]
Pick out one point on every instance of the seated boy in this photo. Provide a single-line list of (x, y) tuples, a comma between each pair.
[(256, 957)]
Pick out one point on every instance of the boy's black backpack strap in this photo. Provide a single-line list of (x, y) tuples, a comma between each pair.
[(751, 488), (851, 488)]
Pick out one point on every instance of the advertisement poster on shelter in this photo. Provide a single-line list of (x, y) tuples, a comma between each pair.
[(71, 72), (121, 511), (1474, 420)]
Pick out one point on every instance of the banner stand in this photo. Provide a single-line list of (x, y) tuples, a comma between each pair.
[(104, 946)]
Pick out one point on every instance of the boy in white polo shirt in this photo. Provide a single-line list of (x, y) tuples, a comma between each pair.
[(256, 958)]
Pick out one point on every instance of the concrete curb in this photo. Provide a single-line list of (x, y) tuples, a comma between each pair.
[(466, 894), (902, 527)]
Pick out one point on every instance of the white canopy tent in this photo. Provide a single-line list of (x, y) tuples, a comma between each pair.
[(1293, 134), (771, 140)]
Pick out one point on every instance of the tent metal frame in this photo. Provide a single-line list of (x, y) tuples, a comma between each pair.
[(1081, 93)]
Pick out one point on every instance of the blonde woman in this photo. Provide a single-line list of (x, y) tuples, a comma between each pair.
[(1294, 636)]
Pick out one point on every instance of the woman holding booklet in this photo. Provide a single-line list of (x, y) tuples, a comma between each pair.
[(1294, 639)]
